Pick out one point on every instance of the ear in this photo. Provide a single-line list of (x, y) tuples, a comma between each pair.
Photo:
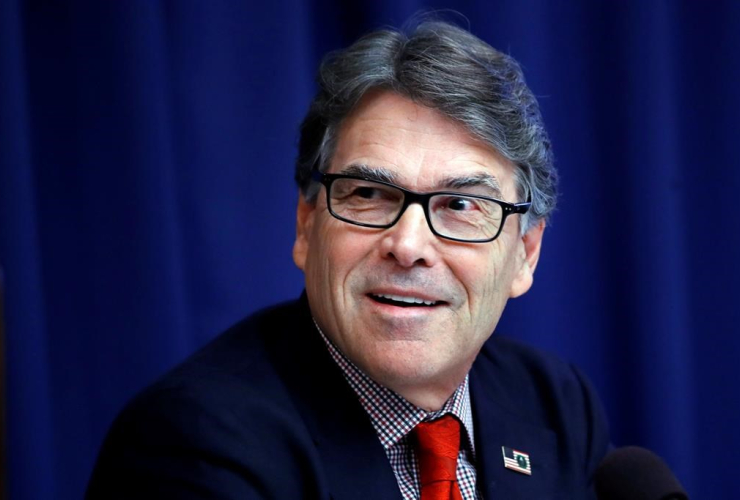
[(532, 242), (303, 226)]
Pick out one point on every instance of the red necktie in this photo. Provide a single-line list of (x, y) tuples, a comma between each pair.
[(437, 445)]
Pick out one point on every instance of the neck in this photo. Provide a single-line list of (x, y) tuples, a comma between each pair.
[(427, 398)]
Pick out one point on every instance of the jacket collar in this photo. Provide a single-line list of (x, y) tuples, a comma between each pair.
[(334, 417), (496, 427)]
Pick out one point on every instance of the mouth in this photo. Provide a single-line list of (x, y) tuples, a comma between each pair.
[(404, 300)]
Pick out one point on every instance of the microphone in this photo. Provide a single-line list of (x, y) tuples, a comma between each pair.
[(634, 473)]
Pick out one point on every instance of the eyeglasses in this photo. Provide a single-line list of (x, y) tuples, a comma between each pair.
[(454, 216)]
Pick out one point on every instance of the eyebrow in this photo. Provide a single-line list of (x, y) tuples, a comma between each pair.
[(482, 179), (370, 173)]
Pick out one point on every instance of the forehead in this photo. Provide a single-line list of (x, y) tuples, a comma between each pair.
[(419, 145)]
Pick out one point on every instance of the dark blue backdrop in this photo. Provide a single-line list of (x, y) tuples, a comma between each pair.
[(146, 202)]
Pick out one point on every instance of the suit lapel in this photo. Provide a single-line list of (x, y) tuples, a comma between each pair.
[(494, 428), (355, 464), (354, 460)]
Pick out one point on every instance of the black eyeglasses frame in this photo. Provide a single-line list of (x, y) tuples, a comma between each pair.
[(422, 199)]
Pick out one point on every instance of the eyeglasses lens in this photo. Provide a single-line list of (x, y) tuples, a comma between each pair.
[(455, 216)]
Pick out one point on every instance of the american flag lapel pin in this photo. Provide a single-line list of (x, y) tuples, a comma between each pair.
[(517, 460)]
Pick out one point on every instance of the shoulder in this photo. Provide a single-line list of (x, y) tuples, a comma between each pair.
[(542, 391), (526, 380), (235, 369), (211, 421)]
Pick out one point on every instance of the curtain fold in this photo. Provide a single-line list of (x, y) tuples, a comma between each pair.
[(147, 203)]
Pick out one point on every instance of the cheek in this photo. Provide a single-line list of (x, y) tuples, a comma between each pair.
[(318, 257), (486, 275), (336, 251)]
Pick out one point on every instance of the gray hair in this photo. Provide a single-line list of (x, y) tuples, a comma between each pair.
[(448, 69)]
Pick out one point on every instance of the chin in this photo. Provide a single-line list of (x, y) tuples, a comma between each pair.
[(404, 369)]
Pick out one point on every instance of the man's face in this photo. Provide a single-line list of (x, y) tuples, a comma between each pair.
[(352, 271)]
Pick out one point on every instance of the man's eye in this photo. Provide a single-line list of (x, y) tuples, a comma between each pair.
[(460, 204), (365, 192)]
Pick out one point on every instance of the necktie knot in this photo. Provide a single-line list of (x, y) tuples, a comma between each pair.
[(437, 446)]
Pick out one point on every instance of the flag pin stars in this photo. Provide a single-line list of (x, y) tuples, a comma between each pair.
[(517, 460)]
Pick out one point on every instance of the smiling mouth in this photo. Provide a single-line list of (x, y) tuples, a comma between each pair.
[(402, 301)]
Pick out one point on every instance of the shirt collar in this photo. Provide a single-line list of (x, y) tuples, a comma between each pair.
[(392, 416)]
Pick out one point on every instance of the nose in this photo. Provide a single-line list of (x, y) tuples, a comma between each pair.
[(410, 242)]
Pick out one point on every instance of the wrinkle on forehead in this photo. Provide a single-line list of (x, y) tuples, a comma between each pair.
[(419, 148), (485, 180)]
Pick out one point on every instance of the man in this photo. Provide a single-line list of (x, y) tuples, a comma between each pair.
[(426, 179)]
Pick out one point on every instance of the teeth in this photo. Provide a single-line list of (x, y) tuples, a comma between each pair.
[(408, 300)]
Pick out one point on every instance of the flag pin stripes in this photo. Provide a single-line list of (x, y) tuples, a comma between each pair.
[(517, 460)]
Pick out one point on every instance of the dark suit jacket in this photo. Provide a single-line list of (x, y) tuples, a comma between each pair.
[(264, 412)]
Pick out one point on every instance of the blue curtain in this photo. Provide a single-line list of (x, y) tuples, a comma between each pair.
[(147, 202)]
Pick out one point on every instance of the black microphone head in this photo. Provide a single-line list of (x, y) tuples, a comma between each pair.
[(634, 473)]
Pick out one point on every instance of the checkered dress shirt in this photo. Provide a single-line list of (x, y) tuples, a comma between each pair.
[(393, 419)]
